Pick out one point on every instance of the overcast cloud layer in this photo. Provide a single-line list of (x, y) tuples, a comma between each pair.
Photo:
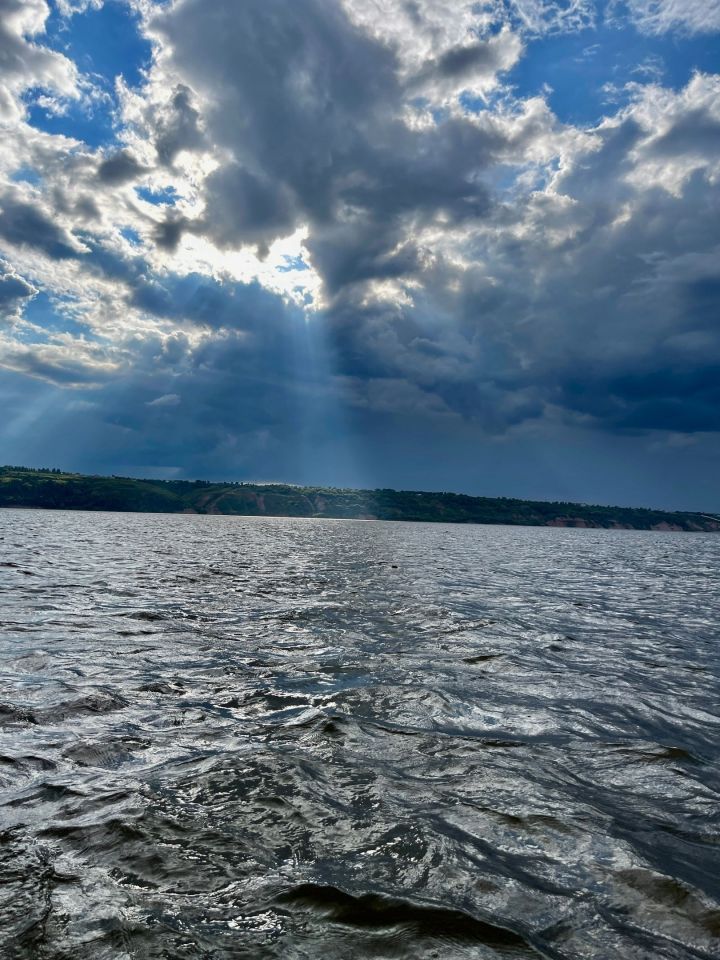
[(427, 243)]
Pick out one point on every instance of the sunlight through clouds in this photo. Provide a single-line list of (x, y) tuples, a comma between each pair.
[(467, 212)]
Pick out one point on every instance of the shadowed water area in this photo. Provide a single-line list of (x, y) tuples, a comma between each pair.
[(231, 737)]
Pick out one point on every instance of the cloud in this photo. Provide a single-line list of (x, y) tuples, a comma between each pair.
[(663, 16), (306, 112), (166, 400), (27, 224), (120, 168), (552, 16), (70, 7), (473, 66), (24, 63), (244, 207), (581, 299), (178, 127), (212, 303), (14, 292), (462, 261), (61, 363)]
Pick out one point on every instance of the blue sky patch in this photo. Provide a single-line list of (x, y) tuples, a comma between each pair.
[(104, 44), (293, 263), (47, 312), (166, 196), (585, 70), (91, 123), (132, 236), (26, 175)]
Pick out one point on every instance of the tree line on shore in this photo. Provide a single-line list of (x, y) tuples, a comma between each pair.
[(51, 488)]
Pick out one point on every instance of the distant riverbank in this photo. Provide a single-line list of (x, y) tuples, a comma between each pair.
[(55, 490)]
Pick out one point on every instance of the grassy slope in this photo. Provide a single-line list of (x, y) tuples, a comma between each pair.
[(21, 487)]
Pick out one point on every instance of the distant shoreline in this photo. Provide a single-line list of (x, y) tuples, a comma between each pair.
[(26, 488)]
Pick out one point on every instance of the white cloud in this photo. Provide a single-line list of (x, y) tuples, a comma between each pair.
[(662, 16), (419, 31), (551, 16), (15, 292), (681, 134), (25, 63), (68, 8), (166, 400)]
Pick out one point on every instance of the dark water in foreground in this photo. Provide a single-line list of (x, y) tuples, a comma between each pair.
[(226, 737)]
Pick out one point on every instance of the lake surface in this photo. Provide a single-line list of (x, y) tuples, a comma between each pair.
[(256, 738)]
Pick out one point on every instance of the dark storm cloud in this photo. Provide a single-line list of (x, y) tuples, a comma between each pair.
[(696, 131), (169, 232), (287, 84), (623, 327), (255, 386), (466, 283), (178, 128), (307, 108), (26, 224), (213, 304), (462, 60), (616, 324), (683, 400), (702, 297), (364, 249), (245, 207), (119, 169)]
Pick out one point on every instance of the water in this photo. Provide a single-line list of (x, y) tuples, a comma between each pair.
[(242, 738)]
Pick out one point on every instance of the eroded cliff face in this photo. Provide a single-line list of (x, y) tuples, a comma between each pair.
[(708, 526), (709, 523)]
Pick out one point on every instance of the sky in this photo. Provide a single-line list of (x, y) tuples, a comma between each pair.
[(422, 244)]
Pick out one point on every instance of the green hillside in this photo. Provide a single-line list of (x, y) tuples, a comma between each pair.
[(53, 489)]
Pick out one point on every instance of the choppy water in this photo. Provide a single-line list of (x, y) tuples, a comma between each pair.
[(227, 737)]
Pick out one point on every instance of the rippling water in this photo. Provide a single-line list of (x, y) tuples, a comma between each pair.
[(230, 737)]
